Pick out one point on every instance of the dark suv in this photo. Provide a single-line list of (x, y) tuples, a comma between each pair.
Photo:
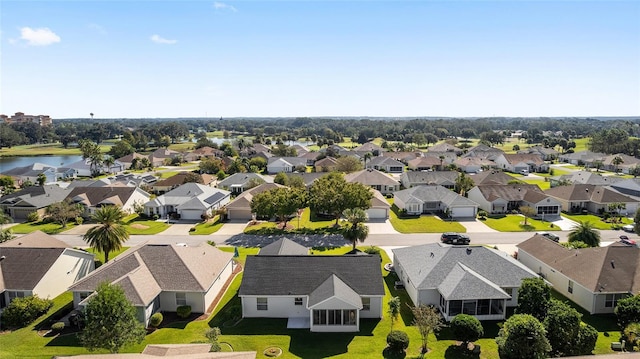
[(454, 238)]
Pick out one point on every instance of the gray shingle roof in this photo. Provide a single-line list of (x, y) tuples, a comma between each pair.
[(284, 246), (433, 177), (371, 177), (333, 287), (301, 275), (432, 193), (36, 196), (429, 265), (464, 283)]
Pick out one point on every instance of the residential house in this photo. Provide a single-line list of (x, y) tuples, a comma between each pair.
[(191, 201), (203, 152), (545, 153), (484, 151), (259, 147), (31, 173), (473, 164), (444, 158), (505, 198), (593, 278), (92, 198), (595, 199), (518, 163), (84, 168), (308, 177), (434, 199), (445, 147), (162, 278), (385, 164), (445, 179), (474, 280), (159, 156), (300, 149), (628, 164), (167, 184), (283, 247), (491, 177), (374, 179), (21, 203), (285, 164), (379, 207), (629, 187), (583, 177), (582, 158), (427, 163), (240, 207), (327, 164), (240, 182), (127, 160), (322, 293), (310, 157), (403, 157), (39, 264), (370, 147)]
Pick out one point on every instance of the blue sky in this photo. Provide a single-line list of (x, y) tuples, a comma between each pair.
[(320, 58)]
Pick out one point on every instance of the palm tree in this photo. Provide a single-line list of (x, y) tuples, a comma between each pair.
[(356, 231), (108, 162), (441, 157), (367, 156), (110, 234), (616, 162), (394, 309), (586, 233)]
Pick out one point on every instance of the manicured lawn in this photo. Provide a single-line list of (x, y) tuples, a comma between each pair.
[(423, 224), (167, 174), (514, 223), (100, 255), (596, 221), (540, 183), (140, 226), (307, 221), (49, 228), (209, 227), (53, 149)]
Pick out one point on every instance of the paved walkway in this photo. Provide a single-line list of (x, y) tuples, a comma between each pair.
[(476, 226)]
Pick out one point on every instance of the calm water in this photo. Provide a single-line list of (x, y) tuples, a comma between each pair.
[(220, 141), (7, 163)]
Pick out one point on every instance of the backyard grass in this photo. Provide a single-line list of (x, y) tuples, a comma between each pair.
[(422, 224), (166, 174), (208, 227), (49, 228), (135, 225), (596, 221), (540, 183), (514, 223), (307, 221)]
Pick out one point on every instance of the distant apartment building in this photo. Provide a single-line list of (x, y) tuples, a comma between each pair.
[(20, 117)]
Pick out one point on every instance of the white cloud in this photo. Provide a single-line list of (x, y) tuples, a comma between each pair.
[(38, 37), (222, 6), (161, 40), (97, 28)]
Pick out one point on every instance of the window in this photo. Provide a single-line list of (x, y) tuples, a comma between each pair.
[(611, 300), (366, 303), (483, 306), (349, 317), (297, 301), (496, 306), (262, 304), (84, 295), (13, 295), (570, 287), (508, 291), (455, 307), (469, 307), (548, 210), (320, 317), (181, 299), (334, 317)]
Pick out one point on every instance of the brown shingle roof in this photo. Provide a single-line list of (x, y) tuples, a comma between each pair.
[(371, 177), (174, 180), (92, 196), (526, 158), (511, 192), (588, 192)]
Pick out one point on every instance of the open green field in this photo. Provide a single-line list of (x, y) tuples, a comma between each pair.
[(208, 227), (596, 221), (306, 222), (53, 149), (135, 225), (515, 223), (48, 228)]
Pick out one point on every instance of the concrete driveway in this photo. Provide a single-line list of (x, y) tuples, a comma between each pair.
[(177, 229), (380, 227), (81, 229), (564, 224), (476, 226), (232, 228)]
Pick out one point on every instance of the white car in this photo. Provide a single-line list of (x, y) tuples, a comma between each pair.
[(628, 227)]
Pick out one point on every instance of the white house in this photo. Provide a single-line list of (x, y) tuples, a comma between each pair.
[(498, 199), (285, 164), (385, 164), (92, 198), (435, 199), (521, 162), (190, 201), (595, 199), (162, 278), (322, 293), (593, 278), (375, 179), (83, 168), (39, 264), (474, 280)]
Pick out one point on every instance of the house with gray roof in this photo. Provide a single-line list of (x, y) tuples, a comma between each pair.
[(162, 278), (583, 177), (521, 162), (446, 179), (582, 158), (39, 264), (593, 278), (473, 164), (322, 293), (285, 164), (474, 280), (21, 203), (497, 199), (425, 163), (31, 173), (282, 247), (545, 153), (92, 198), (240, 182), (190, 201), (483, 151), (375, 179), (445, 147), (491, 177), (386, 164), (595, 199), (434, 199)]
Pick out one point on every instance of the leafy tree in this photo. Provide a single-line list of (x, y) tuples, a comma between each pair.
[(534, 296), (41, 179), (527, 212), (427, 319), (632, 332), (108, 162), (7, 185), (110, 233), (284, 151), (585, 232), (120, 149), (466, 328), (356, 230), (22, 311), (616, 161), (210, 165), (628, 311), (598, 165), (110, 321), (394, 309), (332, 194), (563, 326), (516, 147), (431, 138), (92, 152), (281, 178), (463, 184), (522, 337), (348, 164), (282, 203), (213, 335), (6, 235), (296, 182), (62, 212), (258, 162), (192, 177), (397, 341)]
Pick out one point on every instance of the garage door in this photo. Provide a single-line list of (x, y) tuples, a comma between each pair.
[(377, 213), (237, 214), (191, 214), (463, 212)]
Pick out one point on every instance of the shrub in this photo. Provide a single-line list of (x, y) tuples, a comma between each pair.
[(372, 250), (33, 217), (398, 340), (155, 217), (79, 220), (57, 326), (482, 213), (466, 328), (183, 311), (23, 311), (156, 319)]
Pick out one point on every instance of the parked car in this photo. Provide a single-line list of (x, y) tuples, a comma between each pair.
[(626, 240), (524, 172), (550, 236), (628, 227), (454, 238)]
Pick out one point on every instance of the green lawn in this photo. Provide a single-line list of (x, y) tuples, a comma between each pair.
[(53, 149), (514, 223), (140, 226), (306, 222), (423, 224), (100, 255), (49, 228), (540, 183), (596, 221), (209, 227)]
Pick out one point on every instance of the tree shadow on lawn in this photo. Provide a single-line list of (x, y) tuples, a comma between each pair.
[(456, 352), (405, 309), (491, 329)]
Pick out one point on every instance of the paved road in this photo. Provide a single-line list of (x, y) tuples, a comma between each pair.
[(333, 240)]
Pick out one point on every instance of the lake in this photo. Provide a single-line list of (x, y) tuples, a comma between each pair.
[(7, 163)]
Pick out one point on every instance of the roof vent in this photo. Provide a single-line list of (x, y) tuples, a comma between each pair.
[(613, 264), (468, 250)]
